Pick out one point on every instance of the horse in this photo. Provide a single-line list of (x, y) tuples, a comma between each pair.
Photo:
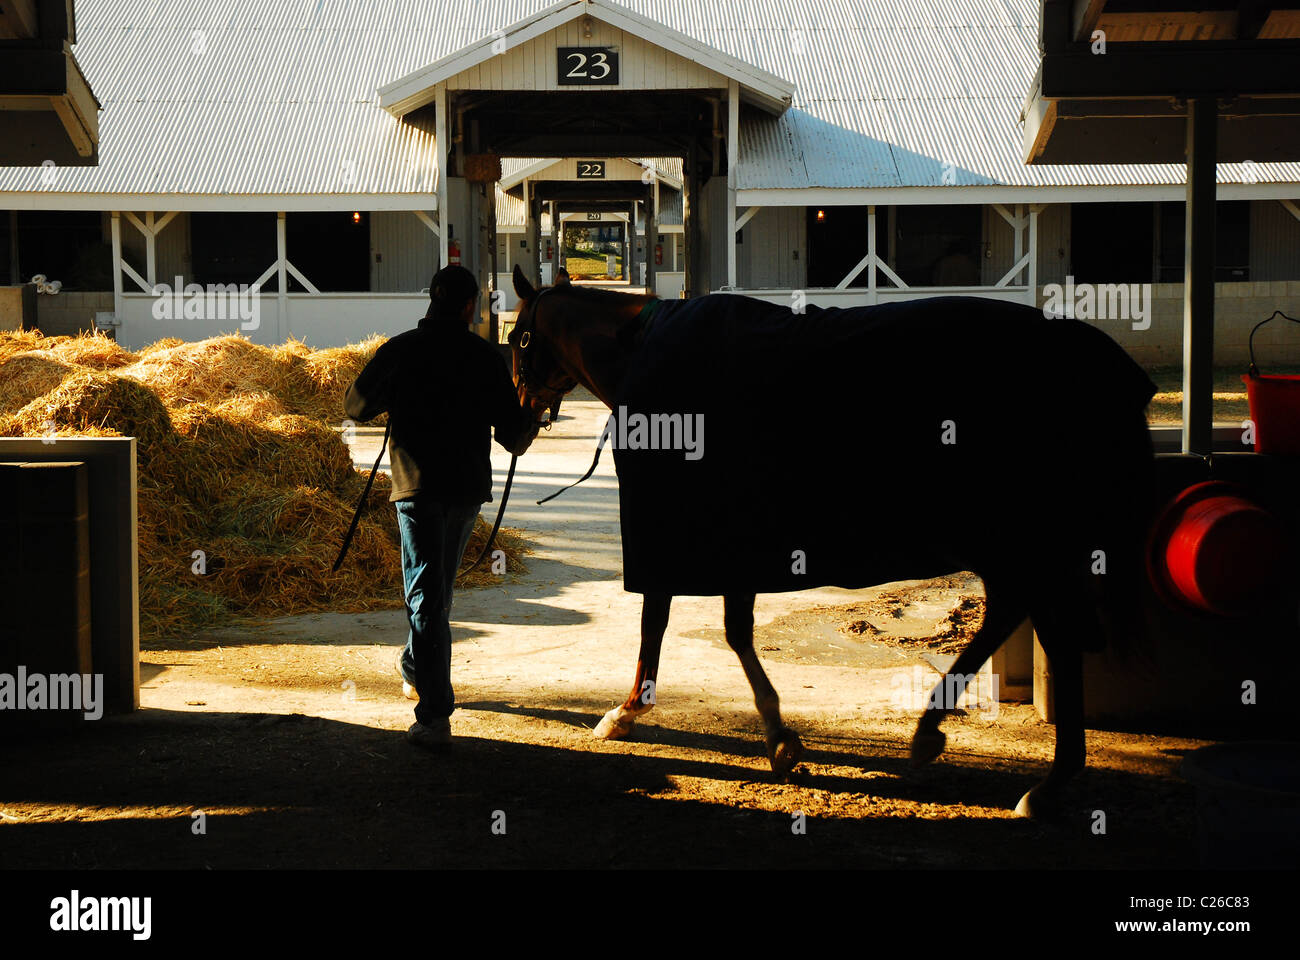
[(1060, 545)]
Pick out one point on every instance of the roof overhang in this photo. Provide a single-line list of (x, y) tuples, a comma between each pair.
[(1128, 103), (534, 170), (47, 109), (757, 86)]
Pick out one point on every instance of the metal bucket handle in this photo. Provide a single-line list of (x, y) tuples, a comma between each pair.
[(1254, 370)]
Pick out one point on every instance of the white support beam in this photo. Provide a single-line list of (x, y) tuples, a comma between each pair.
[(1012, 221), (266, 275), (898, 281), (1032, 281), (853, 274), (1014, 271), (139, 280), (427, 220), (311, 287), (281, 262), (116, 222), (1290, 205), (871, 251), (440, 135), (150, 250), (743, 219), (733, 156)]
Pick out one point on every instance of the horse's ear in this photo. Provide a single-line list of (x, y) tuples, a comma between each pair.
[(523, 288)]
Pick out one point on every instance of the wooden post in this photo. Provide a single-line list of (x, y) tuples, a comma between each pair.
[(1198, 276), (151, 250), (733, 156), (282, 260), (690, 186), (871, 253), (441, 145), (1032, 267), (116, 224)]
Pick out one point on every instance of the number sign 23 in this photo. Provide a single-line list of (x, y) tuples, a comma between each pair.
[(586, 65)]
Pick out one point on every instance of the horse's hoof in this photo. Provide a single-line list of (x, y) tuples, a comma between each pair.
[(926, 745), (1036, 805), (784, 752), (613, 726)]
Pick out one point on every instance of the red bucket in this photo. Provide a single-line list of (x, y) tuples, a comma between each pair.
[(1275, 410), (1274, 403)]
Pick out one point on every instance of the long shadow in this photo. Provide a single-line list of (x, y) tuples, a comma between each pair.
[(295, 791)]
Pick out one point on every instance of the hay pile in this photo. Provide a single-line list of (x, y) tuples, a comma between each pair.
[(237, 457)]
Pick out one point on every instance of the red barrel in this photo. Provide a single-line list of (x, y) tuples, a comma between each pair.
[(1214, 550)]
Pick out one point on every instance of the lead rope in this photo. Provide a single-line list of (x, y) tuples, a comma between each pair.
[(590, 470), (361, 505), (645, 318)]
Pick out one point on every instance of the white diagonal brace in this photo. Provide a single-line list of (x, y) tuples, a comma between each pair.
[(297, 274), (1014, 271), (427, 220)]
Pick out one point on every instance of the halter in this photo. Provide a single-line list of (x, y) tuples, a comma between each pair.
[(525, 374)]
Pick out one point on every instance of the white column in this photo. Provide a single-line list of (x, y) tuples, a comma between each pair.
[(151, 249), (281, 263), (1020, 235), (733, 154), (117, 264), (440, 133), (871, 253), (1033, 254)]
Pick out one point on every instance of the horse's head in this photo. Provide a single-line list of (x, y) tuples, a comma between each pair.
[(540, 374)]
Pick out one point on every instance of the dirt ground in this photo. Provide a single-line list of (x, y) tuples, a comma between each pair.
[(280, 744)]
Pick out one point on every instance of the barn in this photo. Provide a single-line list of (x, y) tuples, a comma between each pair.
[(331, 158), (295, 172)]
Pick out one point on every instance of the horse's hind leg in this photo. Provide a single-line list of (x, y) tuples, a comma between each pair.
[(1002, 615), (1066, 658), (617, 723), (783, 745)]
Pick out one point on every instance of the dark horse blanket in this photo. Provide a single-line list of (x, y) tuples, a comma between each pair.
[(759, 450)]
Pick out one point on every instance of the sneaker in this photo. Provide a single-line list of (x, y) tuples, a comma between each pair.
[(408, 690), (434, 736)]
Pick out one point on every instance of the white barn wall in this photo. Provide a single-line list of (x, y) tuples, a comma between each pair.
[(642, 65), (408, 252), (766, 258), (1053, 239), (1274, 242)]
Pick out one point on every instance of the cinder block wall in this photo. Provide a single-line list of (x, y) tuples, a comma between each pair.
[(67, 313), (1238, 307)]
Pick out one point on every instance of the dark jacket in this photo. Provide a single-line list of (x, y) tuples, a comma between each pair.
[(443, 388)]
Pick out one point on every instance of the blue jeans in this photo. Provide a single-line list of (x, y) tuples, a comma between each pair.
[(434, 536)]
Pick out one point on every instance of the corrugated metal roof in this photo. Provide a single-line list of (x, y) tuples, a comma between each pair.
[(267, 97)]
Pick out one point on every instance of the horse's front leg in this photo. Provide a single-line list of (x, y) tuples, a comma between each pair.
[(618, 723), (783, 745)]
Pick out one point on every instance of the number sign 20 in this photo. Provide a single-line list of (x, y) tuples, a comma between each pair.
[(576, 66)]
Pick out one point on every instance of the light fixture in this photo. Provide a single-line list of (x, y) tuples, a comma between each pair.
[(356, 217), (821, 215), (586, 27)]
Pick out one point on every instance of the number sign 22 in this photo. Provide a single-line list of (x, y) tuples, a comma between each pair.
[(591, 169), (576, 66)]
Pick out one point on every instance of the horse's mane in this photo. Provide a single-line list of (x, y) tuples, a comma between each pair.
[(597, 294)]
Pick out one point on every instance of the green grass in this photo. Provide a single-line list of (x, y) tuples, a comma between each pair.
[(590, 265)]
